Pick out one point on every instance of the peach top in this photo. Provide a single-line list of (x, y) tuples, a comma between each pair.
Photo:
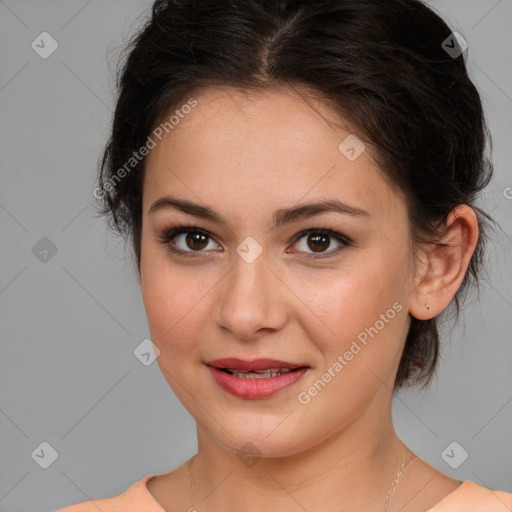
[(468, 497)]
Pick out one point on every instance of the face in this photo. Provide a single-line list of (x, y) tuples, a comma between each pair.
[(320, 288)]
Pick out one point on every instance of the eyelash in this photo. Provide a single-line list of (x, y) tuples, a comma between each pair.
[(173, 231)]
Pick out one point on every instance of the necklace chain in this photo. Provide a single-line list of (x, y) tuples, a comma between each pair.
[(396, 480), (386, 502)]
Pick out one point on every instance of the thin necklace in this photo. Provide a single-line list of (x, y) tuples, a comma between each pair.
[(386, 502), (396, 480)]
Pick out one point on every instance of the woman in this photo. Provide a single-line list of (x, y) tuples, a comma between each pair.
[(298, 181)]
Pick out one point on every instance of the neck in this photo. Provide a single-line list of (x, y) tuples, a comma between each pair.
[(352, 470)]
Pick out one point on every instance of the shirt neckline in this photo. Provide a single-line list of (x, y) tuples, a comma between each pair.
[(151, 499), (148, 496), (449, 496)]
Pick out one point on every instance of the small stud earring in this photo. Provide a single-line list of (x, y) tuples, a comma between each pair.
[(427, 306)]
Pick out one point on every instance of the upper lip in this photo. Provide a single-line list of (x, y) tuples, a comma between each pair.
[(234, 363)]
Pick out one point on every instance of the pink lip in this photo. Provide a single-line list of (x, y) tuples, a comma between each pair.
[(254, 388)]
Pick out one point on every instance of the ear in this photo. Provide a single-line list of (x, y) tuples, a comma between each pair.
[(443, 267)]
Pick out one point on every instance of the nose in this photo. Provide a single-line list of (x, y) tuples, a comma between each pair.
[(252, 301)]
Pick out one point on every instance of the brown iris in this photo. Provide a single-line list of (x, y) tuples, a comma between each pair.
[(317, 242), (196, 240)]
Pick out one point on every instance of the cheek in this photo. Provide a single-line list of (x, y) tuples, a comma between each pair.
[(176, 301), (357, 322), (359, 343), (347, 301)]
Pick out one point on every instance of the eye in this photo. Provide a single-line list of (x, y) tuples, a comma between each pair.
[(194, 239), (319, 240), (191, 238)]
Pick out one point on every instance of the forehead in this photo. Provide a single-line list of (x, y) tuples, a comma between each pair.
[(287, 118), (282, 143)]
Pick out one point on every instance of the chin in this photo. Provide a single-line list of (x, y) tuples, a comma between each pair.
[(253, 437)]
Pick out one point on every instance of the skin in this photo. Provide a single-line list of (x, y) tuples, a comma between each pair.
[(245, 156)]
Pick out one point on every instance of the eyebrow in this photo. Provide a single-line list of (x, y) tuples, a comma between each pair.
[(280, 217)]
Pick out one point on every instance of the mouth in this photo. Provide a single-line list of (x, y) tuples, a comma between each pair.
[(251, 369), (258, 374), (259, 378)]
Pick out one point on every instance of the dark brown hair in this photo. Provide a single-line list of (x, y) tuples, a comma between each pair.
[(381, 66)]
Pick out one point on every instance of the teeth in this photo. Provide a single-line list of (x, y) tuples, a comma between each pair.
[(258, 374)]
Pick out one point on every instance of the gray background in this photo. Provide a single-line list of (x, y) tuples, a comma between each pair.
[(69, 325)]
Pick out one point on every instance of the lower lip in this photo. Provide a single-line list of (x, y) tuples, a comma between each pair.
[(255, 388)]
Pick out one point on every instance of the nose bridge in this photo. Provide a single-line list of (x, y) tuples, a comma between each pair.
[(249, 301), (249, 275)]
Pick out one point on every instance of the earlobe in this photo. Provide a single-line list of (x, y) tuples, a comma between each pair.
[(446, 264)]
